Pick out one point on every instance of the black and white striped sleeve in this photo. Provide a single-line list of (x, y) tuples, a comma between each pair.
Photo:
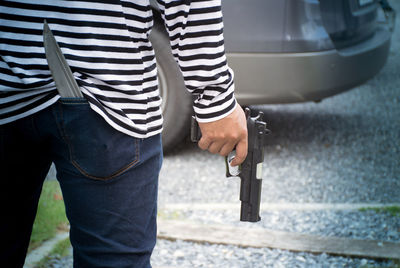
[(195, 30)]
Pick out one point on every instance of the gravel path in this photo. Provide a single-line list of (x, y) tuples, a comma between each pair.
[(185, 254), (345, 149)]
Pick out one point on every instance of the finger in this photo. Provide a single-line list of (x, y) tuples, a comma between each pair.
[(241, 153), (226, 149), (204, 143), (215, 147)]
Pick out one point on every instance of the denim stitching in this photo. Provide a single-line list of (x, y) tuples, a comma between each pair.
[(63, 133), (116, 174), (59, 120), (72, 154)]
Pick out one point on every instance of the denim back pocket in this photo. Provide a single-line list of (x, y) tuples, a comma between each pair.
[(97, 150)]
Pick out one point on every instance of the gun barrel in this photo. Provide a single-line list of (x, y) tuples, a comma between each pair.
[(195, 132)]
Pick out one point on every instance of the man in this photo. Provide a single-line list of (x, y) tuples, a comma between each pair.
[(106, 146)]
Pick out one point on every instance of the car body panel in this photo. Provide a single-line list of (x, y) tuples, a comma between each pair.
[(265, 78), (306, 50), (301, 50), (349, 22), (270, 26)]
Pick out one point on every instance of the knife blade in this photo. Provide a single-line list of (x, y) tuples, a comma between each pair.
[(59, 68)]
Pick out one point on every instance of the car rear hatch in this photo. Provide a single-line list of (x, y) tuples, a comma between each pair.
[(349, 22)]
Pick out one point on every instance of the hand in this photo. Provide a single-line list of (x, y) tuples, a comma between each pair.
[(224, 135)]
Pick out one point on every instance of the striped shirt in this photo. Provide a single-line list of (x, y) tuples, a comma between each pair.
[(106, 43)]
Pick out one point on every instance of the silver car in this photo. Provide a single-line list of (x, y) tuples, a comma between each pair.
[(284, 51)]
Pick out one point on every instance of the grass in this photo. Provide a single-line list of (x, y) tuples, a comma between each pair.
[(62, 248), (392, 210), (50, 216)]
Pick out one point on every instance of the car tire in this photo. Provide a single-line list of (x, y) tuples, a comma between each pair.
[(176, 100)]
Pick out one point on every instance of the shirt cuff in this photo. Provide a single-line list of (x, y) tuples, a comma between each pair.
[(215, 108)]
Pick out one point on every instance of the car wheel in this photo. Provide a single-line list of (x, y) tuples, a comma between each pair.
[(176, 101)]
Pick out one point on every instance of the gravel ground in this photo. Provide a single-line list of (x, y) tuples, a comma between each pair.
[(345, 149), (185, 254)]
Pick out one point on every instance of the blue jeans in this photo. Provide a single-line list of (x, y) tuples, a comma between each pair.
[(109, 182)]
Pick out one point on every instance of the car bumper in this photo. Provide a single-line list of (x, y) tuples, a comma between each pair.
[(265, 78)]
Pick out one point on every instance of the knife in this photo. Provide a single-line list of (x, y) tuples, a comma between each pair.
[(59, 68)]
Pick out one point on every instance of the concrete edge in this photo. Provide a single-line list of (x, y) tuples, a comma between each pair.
[(44, 250), (276, 206), (266, 238)]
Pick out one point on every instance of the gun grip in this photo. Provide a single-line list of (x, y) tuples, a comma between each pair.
[(195, 132)]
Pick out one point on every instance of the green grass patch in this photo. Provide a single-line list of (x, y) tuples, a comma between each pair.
[(62, 248), (50, 216), (392, 210)]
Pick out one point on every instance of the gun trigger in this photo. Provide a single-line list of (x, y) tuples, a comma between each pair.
[(231, 171)]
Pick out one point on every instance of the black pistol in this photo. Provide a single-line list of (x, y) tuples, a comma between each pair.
[(250, 171)]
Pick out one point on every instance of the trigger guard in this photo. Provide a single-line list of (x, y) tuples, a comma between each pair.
[(231, 171)]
